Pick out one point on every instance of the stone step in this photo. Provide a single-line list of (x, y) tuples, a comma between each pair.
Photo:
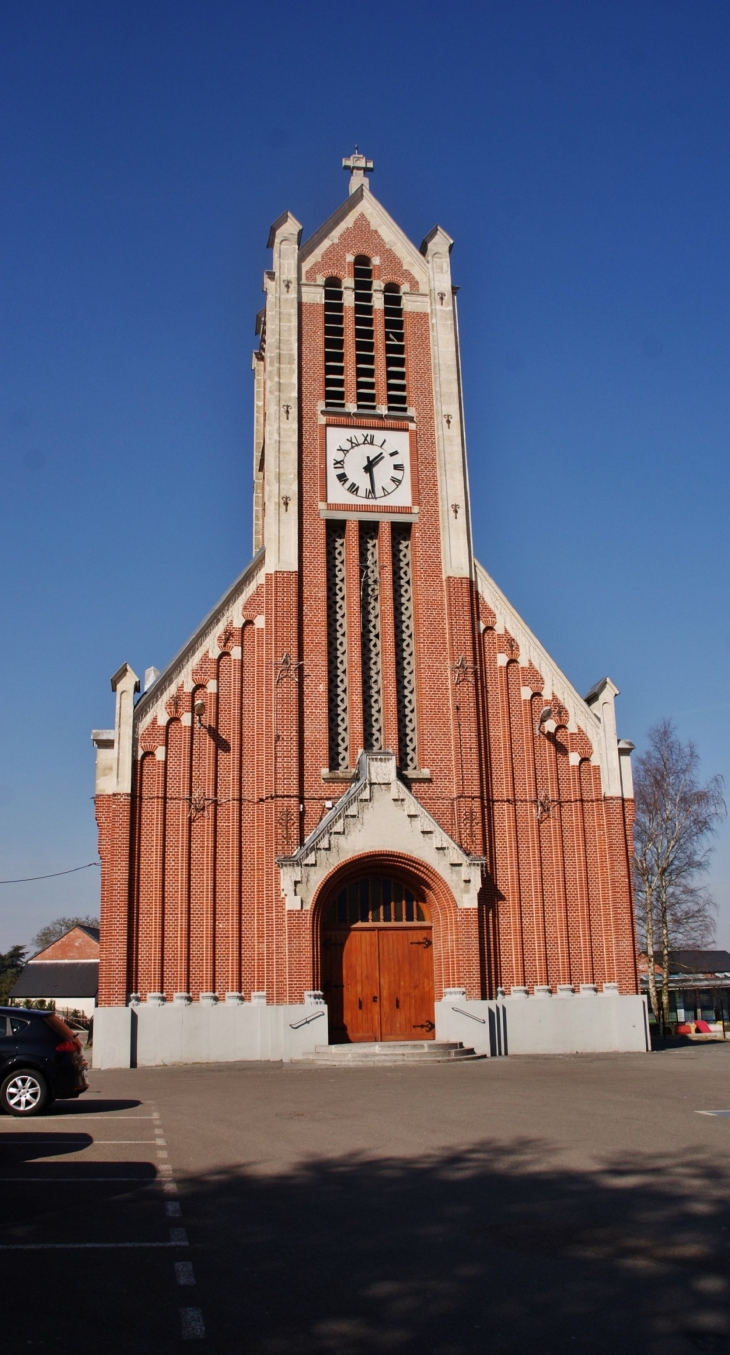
[(391, 1046), (387, 1052)]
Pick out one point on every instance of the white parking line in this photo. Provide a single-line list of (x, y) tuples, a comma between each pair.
[(723, 1114), (68, 1138), (191, 1321), (184, 1272)]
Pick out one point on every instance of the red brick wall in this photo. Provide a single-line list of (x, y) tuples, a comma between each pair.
[(75, 945)]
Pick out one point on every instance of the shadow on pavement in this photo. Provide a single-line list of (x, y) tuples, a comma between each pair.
[(85, 1106), (488, 1249), (26, 1145)]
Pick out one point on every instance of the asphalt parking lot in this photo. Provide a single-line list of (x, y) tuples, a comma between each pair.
[(567, 1204)]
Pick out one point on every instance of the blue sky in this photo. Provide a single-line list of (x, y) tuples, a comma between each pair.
[(577, 153)]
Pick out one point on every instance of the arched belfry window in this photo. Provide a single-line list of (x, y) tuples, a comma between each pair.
[(364, 339), (395, 348), (334, 344)]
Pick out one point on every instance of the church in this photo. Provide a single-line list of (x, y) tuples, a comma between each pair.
[(362, 805)]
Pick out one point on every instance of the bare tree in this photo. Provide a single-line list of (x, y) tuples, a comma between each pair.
[(676, 820), (58, 928)]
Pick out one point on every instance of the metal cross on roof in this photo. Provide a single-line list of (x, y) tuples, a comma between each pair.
[(358, 166)]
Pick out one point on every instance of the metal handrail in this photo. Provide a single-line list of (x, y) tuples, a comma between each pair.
[(296, 1025), (471, 1015)]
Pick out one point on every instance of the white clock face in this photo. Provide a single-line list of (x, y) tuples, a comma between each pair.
[(365, 465)]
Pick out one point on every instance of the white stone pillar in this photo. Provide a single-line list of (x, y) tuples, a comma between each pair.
[(259, 373), (625, 749), (281, 478), (114, 754), (450, 438), (602, 699)]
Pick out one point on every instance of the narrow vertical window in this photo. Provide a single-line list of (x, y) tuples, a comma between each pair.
[(364, 341), (372, 700), (395, 347), (334, 345), (405, 667), (339, 752)]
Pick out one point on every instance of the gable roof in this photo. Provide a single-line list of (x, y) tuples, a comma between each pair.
[(697, 961), (532, 651), (78, 943), (363, 201), (59, 978), (188, 656)]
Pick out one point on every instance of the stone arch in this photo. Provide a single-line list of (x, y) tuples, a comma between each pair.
[(441, 902)]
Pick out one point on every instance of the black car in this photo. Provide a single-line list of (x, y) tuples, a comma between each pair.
[(40, 1059)]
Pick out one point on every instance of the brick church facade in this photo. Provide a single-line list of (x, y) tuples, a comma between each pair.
[(363, 771)]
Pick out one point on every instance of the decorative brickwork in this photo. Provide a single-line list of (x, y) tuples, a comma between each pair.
[(360, 238)]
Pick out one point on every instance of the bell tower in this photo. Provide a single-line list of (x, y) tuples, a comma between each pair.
[(361, 488)]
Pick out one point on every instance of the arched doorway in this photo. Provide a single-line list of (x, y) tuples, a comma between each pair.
[(377, 961)]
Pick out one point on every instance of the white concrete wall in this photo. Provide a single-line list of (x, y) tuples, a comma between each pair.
[(147, 1036), (112, 1038), (577, 1024)]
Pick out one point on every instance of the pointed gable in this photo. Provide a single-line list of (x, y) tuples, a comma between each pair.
[(80, 943), (362, 226)]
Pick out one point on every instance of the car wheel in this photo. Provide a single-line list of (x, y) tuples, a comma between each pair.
[(24, 1092)]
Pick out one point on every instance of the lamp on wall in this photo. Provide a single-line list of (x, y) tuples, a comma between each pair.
[(545, 714), (199, 709)]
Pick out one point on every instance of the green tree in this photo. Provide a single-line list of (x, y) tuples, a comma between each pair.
[(54, 930), (11, 964)]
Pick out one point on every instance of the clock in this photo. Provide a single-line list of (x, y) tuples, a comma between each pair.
[(367, 465)]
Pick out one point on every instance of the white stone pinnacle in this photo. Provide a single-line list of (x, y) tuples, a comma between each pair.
[(359, 167)]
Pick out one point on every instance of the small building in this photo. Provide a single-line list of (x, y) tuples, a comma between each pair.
[(699, 984), (66, 972)]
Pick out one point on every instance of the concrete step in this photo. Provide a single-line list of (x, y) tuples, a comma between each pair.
[(390, 1052)]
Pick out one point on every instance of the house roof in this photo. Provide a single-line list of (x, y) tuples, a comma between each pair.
[(697, 961), (58, 978)]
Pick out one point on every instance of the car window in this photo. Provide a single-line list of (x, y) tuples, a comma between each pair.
[(17, 1025), (59, 1026), (4, 1032)]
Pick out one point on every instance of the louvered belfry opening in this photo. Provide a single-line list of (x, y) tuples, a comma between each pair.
[(405, 665), (337, 648), (395, 348), (364, 339), (334, 345), (372, 697)]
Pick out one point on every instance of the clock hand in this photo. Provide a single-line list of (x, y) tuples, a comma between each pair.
[(369, 468)]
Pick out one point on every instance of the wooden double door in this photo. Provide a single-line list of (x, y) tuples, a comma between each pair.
[(378, 982)]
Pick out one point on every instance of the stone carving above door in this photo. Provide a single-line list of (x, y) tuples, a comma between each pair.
[(378, 813)]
